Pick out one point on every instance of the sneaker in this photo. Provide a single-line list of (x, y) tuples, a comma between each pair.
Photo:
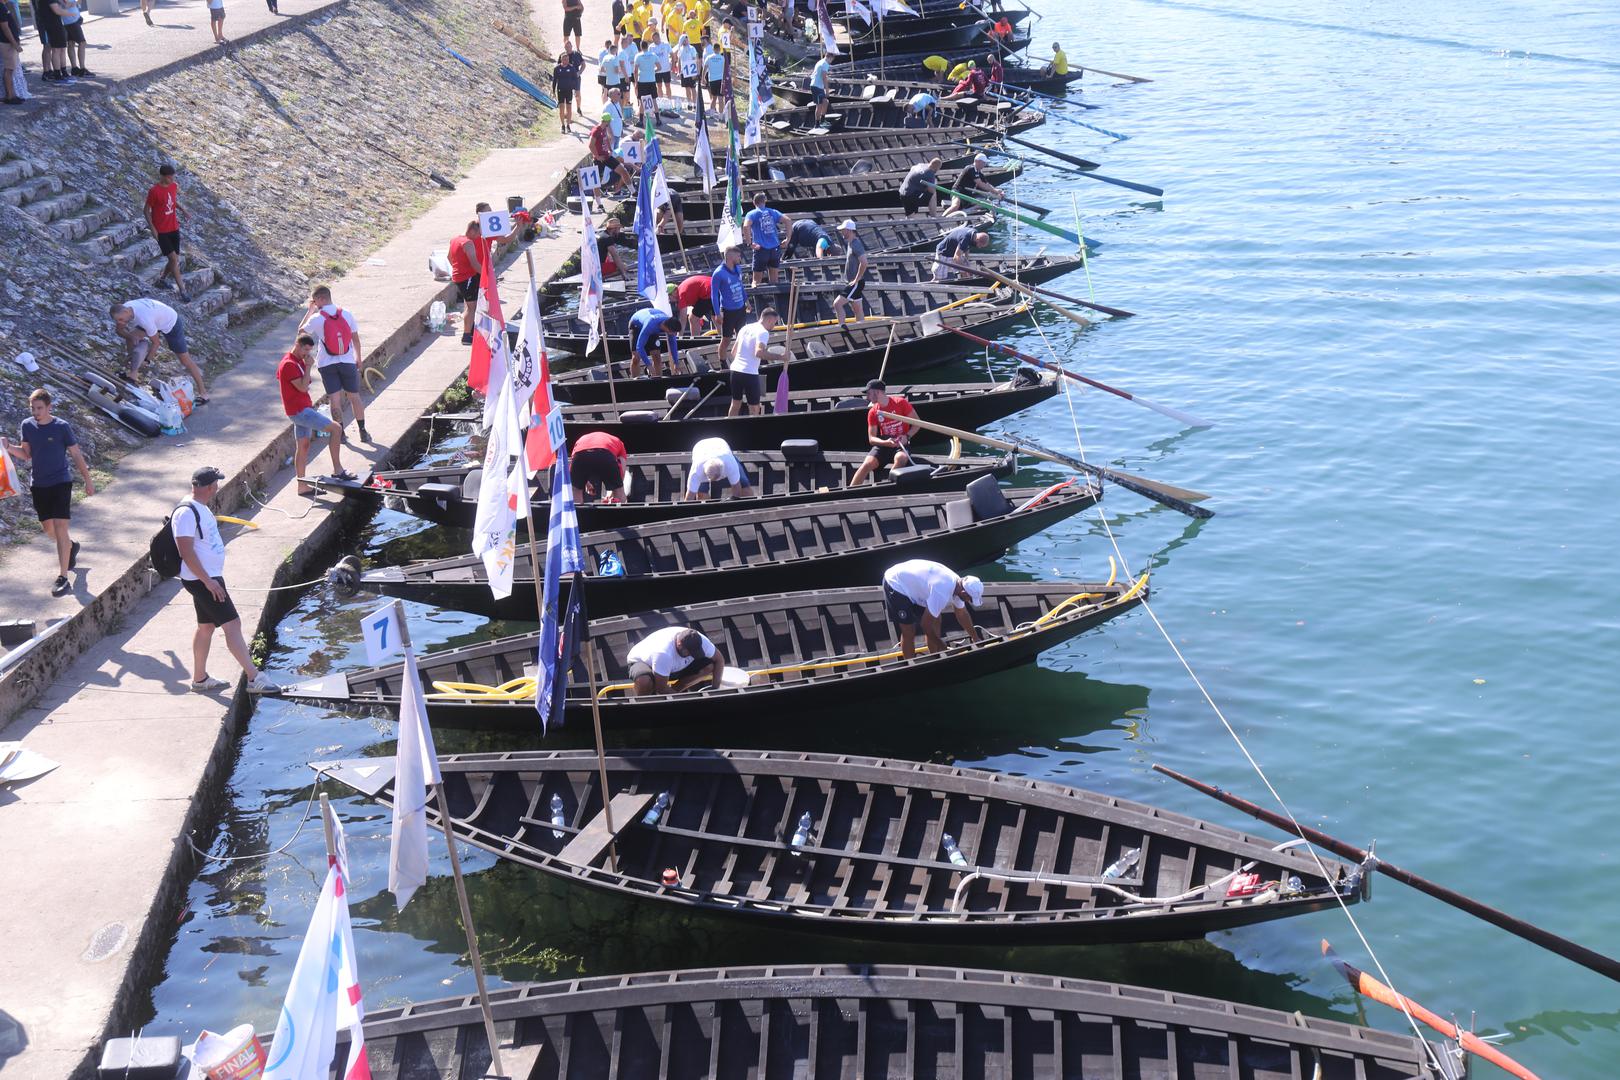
[(365, 436), (263, 684), (148, 15), (73, 555), (209, 686), (466, 339), (60, 586)]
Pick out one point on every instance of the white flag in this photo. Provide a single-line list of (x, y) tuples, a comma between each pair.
[(526, 363), (751, 136), (339, 856), (855, 7), (494, 527), (893, 7), (590, 278), (416, 765), (703, 158), (324, 995)]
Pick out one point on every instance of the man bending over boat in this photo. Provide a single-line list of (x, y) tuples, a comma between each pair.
[(917, 592), (650, 329), (713, 462), (675, 654), (888, 438), (596, 467)]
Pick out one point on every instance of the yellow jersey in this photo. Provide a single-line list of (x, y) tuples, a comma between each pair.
[(1060, 62)]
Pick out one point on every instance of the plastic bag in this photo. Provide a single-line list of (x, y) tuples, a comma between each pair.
[(171, 419), (180, 391), (10, 482), (439, 265), (608, 564)]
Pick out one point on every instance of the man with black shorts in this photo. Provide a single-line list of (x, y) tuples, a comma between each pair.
[(917, 592), (46, 444), (855, 268), (565, 85), (730, 300), (971, 181), (601, 145), (464, 275), (752, 348), (10, 54), (763, 227), (887, 438), (53, 42), (675, 654), (918, 186), (163, 213), (714, 72), (572, 10), (650, 329), (596, 467), (202, 574), (692, 302)]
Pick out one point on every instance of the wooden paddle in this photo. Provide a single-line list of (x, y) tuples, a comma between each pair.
[(1079, 320), (1569, 950), (1006, 350), (1081, 163), (780, 405), (1177, 498), (1368, 986), (884, 367), (1037, 290)]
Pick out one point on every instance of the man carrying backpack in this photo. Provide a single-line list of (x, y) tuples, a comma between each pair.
[(337, 352), (202, 574)]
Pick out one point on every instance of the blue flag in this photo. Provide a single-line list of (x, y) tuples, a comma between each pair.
[(563, 556), (649, 263)]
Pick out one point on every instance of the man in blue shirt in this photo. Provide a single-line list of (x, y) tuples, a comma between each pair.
[(649, 328), (818, 85), (729, 299), (809, 239), (763, 227), (956, 245), (46, 444)]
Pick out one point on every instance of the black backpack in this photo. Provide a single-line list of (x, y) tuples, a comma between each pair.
[(163, 549)]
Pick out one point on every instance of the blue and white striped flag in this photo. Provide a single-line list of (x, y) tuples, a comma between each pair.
[(649, 262), (563, 556)]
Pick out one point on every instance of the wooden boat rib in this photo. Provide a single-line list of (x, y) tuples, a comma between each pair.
[(834, 1021), (742, 552), (834, 417), (788, 149), (805, 651), (448, 495), (1036, 855), (909, 65), (800, 119)]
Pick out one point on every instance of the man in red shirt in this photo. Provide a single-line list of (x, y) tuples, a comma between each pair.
[(887, 437), (601, 144), (293, 375), (464, 274), (163, 215), (972, 85), (597, 466), (692, 302)]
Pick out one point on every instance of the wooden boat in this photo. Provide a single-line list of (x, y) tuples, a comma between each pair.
[(801, 120), (850, 89), (835, 191), (883, 228), (1036, 855), (829, 1022), (748, 552), (791, 149), (834, 417), (566, 334), (928, 35), (802, 652), (909, 65), (795, 474)]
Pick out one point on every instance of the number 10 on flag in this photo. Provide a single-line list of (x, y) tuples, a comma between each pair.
[(554, 428)]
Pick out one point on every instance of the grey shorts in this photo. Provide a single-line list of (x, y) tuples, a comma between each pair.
[(343, 376), (308, 422)]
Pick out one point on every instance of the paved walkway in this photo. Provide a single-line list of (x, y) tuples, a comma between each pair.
[(102, 837)]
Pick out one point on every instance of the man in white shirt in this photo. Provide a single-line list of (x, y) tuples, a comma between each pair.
[(753, 347), (140, 323), (674, 654), (202, 574), (337, 355), (712, 462), (918, 591)]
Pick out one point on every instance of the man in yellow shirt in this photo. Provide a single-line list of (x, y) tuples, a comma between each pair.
[(1059, 64)]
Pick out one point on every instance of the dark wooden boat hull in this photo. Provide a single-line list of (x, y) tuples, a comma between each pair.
[(852, 90), (828, 624), (833, 428), (909, 65), (833, 1022), (658, 575), (873, 865), (882, 228), (780, 483), (967, 35), (799, 120)]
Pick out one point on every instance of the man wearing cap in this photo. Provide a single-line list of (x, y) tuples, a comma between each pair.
[(955, 246), (855, 268), (202, 574), (971, 181), (673, 654), (712, 462), (918, 591), (888, 437)]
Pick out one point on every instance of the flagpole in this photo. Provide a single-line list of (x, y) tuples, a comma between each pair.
[(607, 354), (601, 754), (461, 885)]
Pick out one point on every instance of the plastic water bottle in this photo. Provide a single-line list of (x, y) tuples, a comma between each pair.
[(436, 317), (557, 816), (1122, 865), (657, 810), (801, 835), (953, 852)]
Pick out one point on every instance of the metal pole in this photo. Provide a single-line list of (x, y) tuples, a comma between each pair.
[(601, 754), (607, 354), (461, 888)]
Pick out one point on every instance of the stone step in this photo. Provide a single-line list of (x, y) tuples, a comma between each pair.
[(74, 229), (26, 191), (213, 301), (56, 207), (199, 280), (136, 253), (14, 170), (114, 236), (249, 310), (152, 268)]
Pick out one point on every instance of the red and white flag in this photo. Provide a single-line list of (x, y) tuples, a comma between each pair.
[(489, 360), (539, 447), (324, 996)]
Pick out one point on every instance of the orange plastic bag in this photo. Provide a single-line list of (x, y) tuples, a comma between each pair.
[(10, 483)]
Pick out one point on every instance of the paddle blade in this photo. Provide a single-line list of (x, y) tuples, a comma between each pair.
[(931, 322), (781, 403)]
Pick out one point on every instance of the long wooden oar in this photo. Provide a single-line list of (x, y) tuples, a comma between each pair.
[(1370, 987), (1070, 119), (1007, 350), (1037, 292), (1569, 950), (1081, 163), (1034, 223), (1177, 498)]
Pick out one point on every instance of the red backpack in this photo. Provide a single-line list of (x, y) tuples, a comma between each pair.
[(336, 336)]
